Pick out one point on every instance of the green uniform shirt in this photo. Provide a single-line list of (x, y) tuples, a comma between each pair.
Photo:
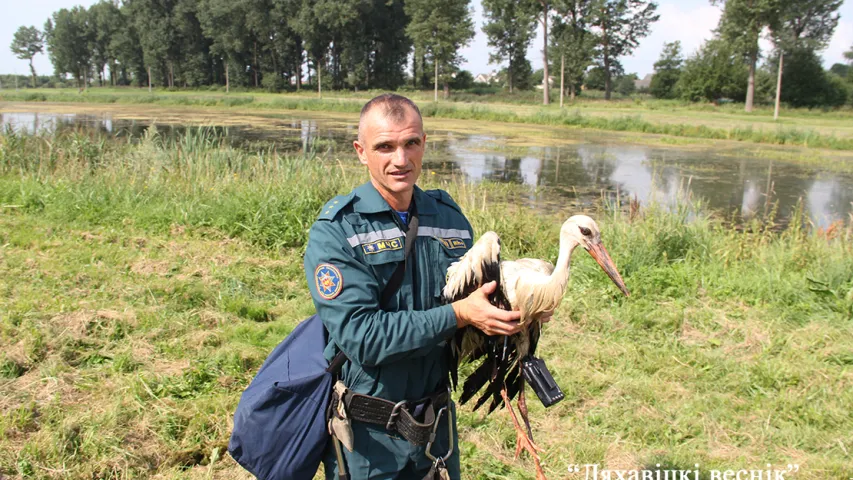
[(396, 350)]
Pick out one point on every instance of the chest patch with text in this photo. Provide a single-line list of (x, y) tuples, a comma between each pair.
[(453, 242), (382, 246)]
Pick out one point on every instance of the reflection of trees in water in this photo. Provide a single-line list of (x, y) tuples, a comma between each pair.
[(724, 184), (828, 201)]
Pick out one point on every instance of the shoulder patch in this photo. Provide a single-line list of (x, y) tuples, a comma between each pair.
[(444, 198), (329, 280), (333, 206)]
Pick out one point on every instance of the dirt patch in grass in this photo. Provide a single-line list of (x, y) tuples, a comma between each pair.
[(82, 323), (42, 388), (165, 368), (617, 458), (151, 267)]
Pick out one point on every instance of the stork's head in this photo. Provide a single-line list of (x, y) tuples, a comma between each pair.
[(583, 231)]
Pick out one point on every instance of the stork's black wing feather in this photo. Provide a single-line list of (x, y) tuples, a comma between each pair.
[(497, 355)]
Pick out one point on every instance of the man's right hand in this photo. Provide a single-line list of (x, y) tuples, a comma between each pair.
[(477, 311)]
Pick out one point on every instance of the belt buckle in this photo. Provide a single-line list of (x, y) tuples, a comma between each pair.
[(395, 412)]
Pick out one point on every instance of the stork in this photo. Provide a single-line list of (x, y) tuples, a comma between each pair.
[(533, 287)]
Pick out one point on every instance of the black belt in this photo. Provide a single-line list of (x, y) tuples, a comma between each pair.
[(395, 417)]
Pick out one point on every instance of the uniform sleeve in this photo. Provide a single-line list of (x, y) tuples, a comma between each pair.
[(368, 335)]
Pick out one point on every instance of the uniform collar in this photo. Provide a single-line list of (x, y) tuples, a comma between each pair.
[(368, 200)]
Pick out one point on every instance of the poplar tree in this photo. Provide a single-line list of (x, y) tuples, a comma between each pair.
[(510, 28), (316, 37), (544, 12), (740, 26), (27, 42), (440, 28), (573, 41), (805, 23), (106, 23), (157, 38), (224, 23), (127, 49), (68, 43), (194, 65), (799, 29), (621, 25)]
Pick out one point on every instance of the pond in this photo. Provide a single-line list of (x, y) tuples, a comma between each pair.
[(572, 168)]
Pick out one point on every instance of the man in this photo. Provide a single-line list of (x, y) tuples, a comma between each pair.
[(396, 343)]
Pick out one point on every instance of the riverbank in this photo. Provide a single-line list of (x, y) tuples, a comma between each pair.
[(145, 283), (830, 130), (277, 125)]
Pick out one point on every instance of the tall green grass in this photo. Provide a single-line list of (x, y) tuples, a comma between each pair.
[(144, 283)]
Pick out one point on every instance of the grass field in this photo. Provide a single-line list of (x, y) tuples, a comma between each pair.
[(143, 285), (832, 130)]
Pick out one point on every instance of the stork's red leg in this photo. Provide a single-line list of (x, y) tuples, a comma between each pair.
[(523, 442), (522, 409)]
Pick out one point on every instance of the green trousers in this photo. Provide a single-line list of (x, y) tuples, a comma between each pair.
[(381, 455)]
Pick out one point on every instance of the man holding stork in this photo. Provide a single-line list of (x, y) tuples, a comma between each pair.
[(376, 264)]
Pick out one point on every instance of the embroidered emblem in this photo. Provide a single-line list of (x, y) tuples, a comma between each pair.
[(453, 242), (382, 246), (329, 281)]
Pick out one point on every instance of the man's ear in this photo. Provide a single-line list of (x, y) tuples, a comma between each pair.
[(359, 150)]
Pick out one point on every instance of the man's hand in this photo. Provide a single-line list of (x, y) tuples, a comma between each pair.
[(477, 311)]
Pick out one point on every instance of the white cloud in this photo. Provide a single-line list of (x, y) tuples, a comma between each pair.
[(841, 42)]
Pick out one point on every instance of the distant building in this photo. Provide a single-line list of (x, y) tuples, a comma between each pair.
[(551, 81), (645, 83), (486, 77)]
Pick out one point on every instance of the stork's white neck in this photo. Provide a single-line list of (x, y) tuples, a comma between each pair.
[(560, 275)]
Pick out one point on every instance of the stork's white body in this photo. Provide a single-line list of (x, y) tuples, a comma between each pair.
[(530, 286)]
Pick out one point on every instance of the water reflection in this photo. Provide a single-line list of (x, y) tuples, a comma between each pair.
[(579, 173)]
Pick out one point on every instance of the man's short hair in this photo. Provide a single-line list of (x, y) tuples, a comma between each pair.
[(393, 106)]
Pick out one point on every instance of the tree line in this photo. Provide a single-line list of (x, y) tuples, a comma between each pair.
[(727, 66), (389, 44), (252, 43)]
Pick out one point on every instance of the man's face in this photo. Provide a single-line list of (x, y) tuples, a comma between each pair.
[(393, 151)]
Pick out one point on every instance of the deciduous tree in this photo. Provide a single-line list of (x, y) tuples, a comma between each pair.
[(27, 42), (510, 28), (667, 71), (316, 37), (224, 23), (621, 24), (715, 71), (741, 25), (440, 28), (573, 40), (68, 43), (544, 13), (805, 23), (106, 22)]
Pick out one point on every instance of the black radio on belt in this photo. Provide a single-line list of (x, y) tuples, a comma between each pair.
[(537, 375)]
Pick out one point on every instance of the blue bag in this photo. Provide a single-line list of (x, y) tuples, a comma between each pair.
[(280, 423)]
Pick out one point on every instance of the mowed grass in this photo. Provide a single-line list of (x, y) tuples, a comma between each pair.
[(806, 128), (144, 284)]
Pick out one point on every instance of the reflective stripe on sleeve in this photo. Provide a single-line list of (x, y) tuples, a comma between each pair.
[(389, 234), (443, 232)]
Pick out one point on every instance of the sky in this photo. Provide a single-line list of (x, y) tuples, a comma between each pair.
[(690, 21)]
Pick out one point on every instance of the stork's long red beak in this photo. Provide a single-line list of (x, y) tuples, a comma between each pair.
[(599, 253)]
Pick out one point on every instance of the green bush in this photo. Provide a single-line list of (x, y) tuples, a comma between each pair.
[(715, 71)]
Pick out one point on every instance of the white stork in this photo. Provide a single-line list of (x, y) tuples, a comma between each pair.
[(533, 287)]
